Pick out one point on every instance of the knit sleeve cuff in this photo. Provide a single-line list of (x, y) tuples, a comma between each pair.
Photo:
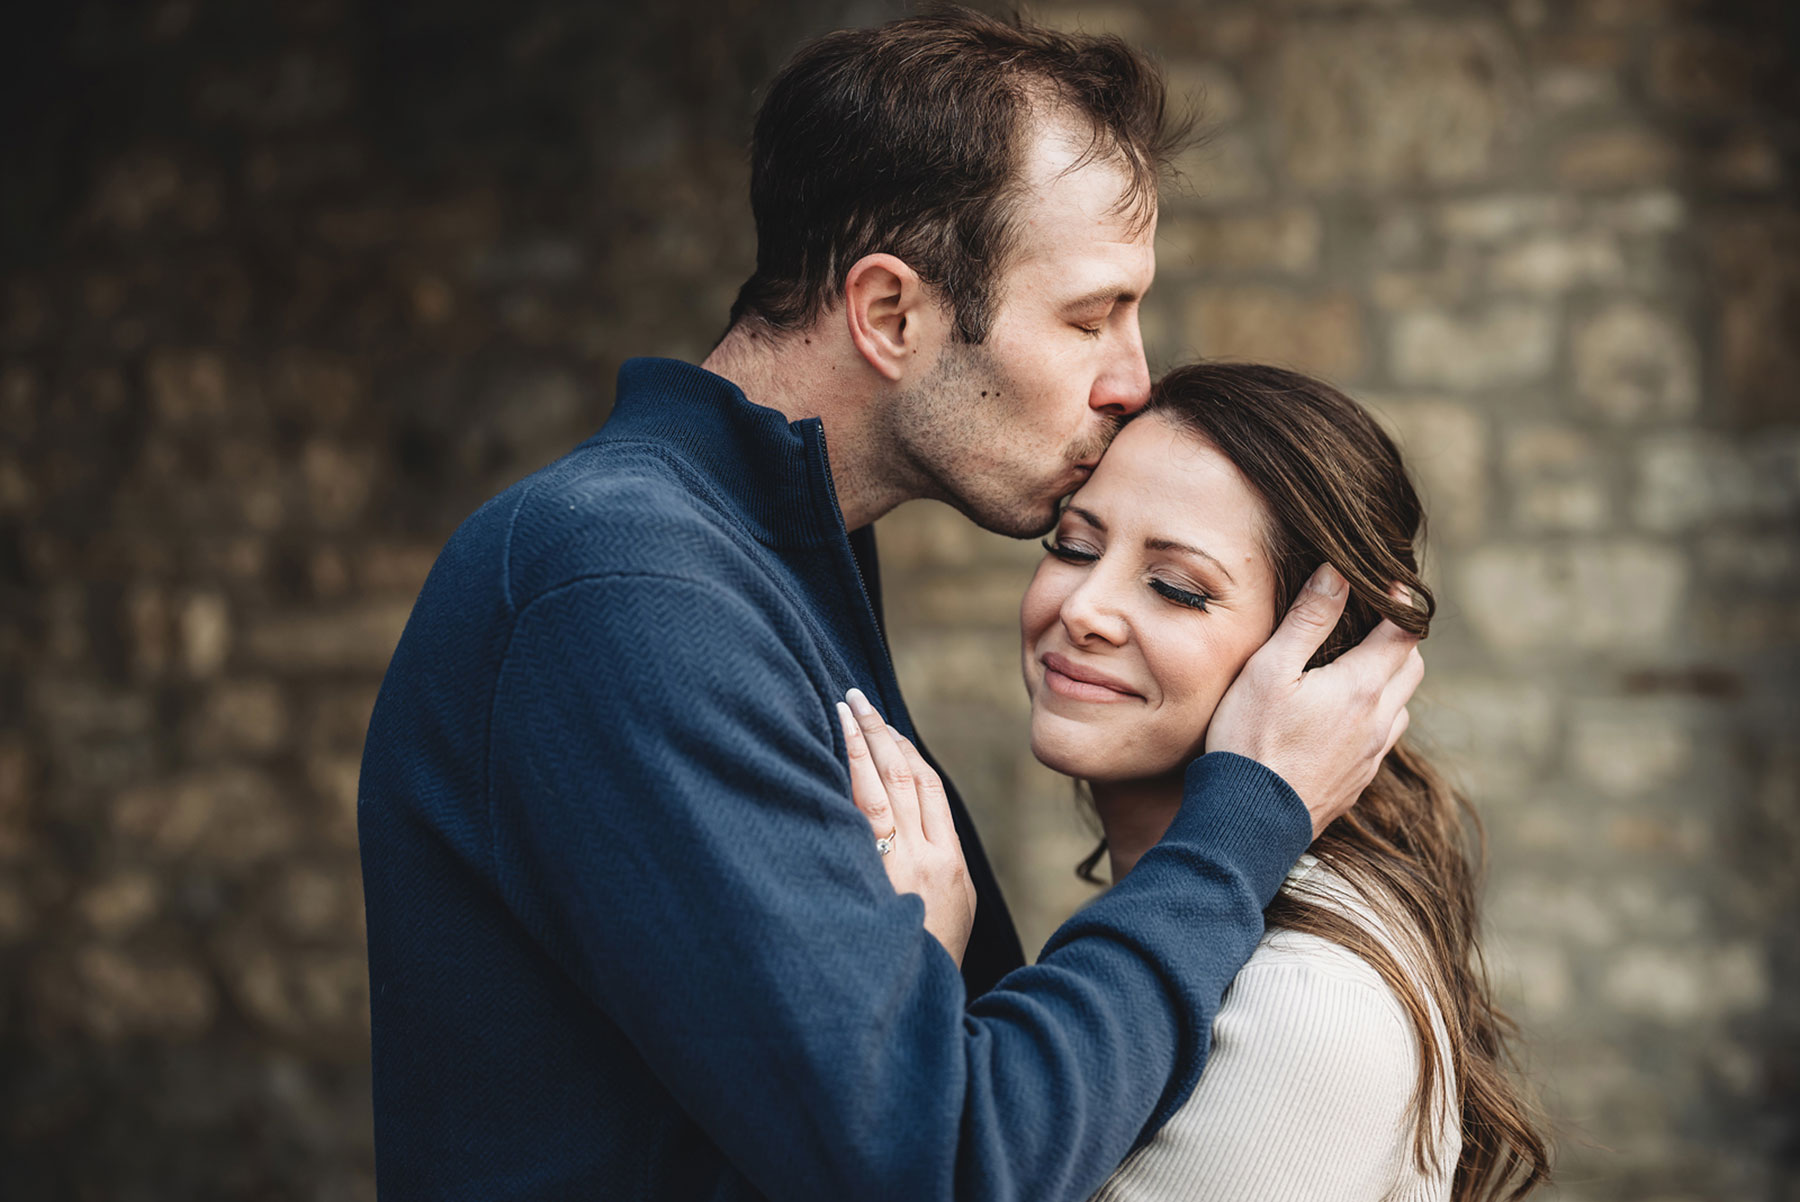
[(1247, 816)]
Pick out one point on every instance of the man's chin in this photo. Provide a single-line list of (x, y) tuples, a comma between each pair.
[(1016, 525)]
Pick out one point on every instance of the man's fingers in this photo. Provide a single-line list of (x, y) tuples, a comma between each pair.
[(890, 761), (1310, 621), (1382, 654), (934, 803), (1402, 720), (1403, 683), (866, 789)]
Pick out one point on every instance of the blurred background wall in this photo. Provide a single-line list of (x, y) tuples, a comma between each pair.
[(289, 288)]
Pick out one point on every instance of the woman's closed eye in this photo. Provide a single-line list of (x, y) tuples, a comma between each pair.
[(1070, 552), (1179, 595)]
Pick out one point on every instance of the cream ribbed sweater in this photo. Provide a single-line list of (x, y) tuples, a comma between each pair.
[(1308, 1091)]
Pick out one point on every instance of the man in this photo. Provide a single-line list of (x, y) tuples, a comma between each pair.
[(628, 936)]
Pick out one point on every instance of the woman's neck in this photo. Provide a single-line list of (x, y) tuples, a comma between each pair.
[(1133, 816)]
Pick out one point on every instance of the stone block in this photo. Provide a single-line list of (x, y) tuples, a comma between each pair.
[(120, 903), (1282, 241), (1209, 89), (1504, 346), (1540, 907), (188, 387), (1651, 212), (1737, 559), (1386, 106), (355, 638), (986, 599), (1536, 972), (399, 569), (1226, 168), (1445, 446), (1747, 161), (205, 633), (943, 667), (1618, 597), (1581, 71), (230, 818), (1557, 479), (1619, 157), (1500, 732), (16, 773), (298, 992), (321, 389), (1708, 70), (1126, 21), (149, 628), (143, 189), (1685, 985), (18, 918), (1496, 219), (1635, 363), (1690, 479), (333, 779), (110, 994), (1753, 292), (338, 480), (1318, 333), (238, 716), (929, 535), (1554, 263), (1630, 748), (310, 902)]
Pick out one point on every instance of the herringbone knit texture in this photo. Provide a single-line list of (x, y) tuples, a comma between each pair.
[(629, 938)]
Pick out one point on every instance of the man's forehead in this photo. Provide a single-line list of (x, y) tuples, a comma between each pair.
[(1076, 197)]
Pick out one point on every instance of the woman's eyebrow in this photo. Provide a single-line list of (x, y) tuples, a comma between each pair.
[(1169, 544), (1154, 544)]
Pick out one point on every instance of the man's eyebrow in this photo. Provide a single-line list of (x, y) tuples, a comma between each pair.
[(1154, 544), (1110, 294)]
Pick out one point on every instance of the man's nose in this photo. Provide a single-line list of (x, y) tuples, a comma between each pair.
[(1124, 385)]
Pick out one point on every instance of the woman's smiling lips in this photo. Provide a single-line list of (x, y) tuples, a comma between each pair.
[(1083, 684)]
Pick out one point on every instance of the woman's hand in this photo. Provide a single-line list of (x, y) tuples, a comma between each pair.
[(905, 803)]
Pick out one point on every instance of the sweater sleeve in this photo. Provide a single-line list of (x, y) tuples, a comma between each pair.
[(671, 818), (1307, 1096)]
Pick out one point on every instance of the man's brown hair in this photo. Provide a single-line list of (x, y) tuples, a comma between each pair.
[(907, 139)]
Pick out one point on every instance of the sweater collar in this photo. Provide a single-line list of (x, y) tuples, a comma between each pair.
[(773, 473)]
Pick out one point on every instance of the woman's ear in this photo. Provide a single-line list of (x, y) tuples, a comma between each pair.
[(890, 314)]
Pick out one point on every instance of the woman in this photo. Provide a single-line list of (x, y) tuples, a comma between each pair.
[(1358, 1055)]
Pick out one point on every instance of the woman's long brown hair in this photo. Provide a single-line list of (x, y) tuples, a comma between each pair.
[(1337, 492)]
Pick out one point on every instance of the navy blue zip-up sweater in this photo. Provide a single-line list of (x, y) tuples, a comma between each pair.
[(628, 936)]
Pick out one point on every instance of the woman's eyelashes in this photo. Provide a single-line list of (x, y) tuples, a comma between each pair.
[(1181, 596), (1069, 552), (1074, 553)]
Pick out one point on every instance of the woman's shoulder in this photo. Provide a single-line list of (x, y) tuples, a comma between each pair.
[(1310, 1086)]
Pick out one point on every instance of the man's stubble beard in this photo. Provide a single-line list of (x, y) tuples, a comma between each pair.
[(954, 432)]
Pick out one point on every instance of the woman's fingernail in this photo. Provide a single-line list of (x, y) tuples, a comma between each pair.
[(859, 703), (843, 713)]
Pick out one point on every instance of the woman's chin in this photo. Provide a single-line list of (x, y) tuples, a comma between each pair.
[(1076, 750), (1100, 755)]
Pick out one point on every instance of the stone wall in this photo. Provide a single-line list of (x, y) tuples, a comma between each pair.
[(288, 289)]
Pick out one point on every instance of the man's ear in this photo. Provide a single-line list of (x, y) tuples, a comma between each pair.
[(890, 314)]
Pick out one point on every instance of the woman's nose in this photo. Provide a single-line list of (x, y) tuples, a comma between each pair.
[(1092, 613)]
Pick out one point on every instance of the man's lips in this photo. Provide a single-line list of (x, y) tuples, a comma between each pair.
[(1080, 683)]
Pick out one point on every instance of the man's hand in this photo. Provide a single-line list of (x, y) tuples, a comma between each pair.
[(1324, 732)]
